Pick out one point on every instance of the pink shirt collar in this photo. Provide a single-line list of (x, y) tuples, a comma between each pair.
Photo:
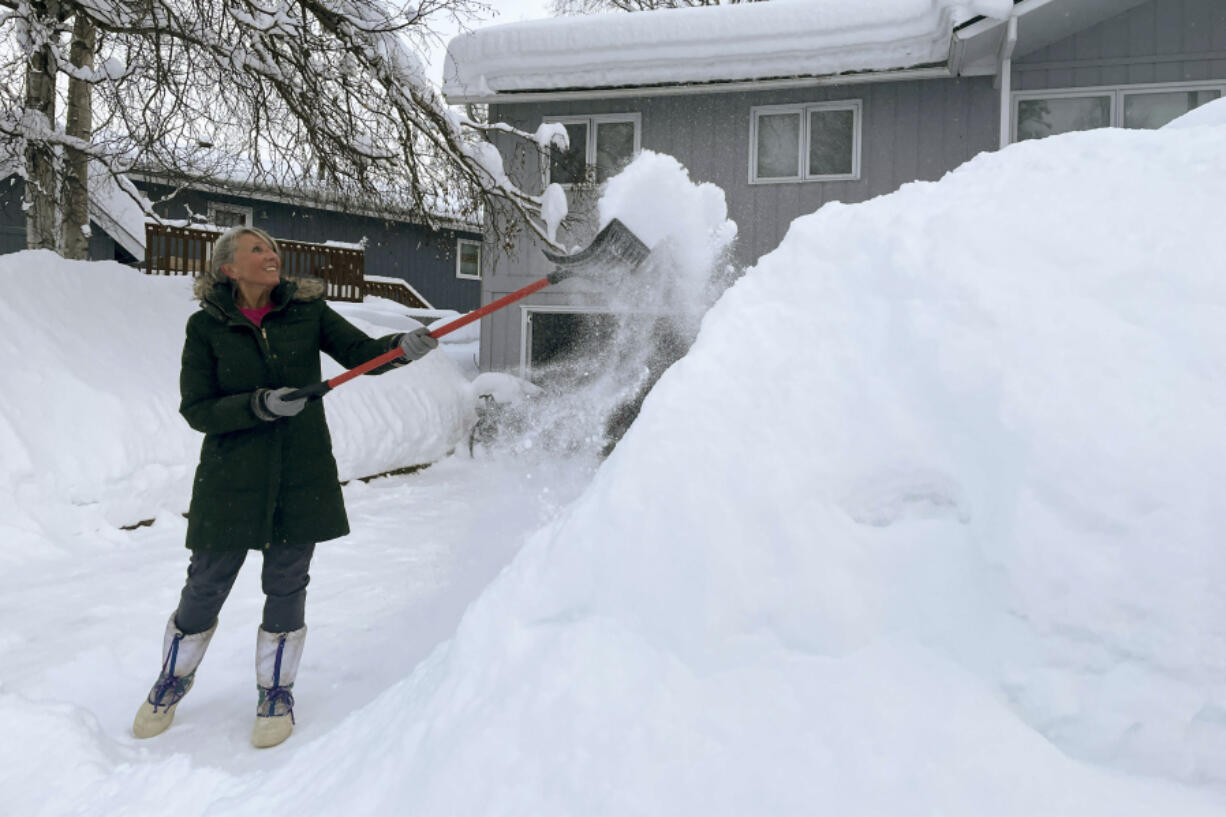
[(256, 315)]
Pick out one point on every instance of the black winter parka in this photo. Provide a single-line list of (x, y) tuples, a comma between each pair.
[(262, 484)]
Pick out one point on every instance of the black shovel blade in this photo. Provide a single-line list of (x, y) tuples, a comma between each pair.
[(615, 251)]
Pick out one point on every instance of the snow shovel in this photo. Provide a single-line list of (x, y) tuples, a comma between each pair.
[(613, 253)]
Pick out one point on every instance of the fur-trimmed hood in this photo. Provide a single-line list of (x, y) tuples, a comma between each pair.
[(309, 289)]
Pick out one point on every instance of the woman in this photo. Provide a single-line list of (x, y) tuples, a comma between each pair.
[(266, 480)]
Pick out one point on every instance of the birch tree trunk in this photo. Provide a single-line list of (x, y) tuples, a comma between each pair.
[(78, 123), (40, 158)]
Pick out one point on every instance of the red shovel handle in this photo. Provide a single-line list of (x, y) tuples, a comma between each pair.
[(320, 389), (494, 306)]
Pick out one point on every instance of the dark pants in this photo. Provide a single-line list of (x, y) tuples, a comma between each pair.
[(211, 574)]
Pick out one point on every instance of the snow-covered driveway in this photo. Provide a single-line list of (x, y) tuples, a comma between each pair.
[(423, 546)]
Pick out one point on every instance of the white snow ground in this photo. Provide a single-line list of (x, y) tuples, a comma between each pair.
[(927, 522)]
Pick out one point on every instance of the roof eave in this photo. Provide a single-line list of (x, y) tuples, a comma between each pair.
[(927, 71), (259, 192)]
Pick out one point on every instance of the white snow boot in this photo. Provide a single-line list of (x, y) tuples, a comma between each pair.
[(276, 664), (181, 655)]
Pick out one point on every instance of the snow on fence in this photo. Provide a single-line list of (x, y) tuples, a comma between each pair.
[(171, 250), (396, 290)]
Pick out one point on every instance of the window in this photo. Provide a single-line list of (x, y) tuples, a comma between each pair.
[(468, 259), (800, 143), (1154, 109), (229, 215), (1041, 117), (1045, 113), (600, 146)]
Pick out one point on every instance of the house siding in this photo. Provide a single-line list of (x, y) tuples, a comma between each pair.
[(915, 130), (1158, 41), (425, 258), (911, 130)]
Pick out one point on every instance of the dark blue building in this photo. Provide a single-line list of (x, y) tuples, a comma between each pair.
[(443, 265)]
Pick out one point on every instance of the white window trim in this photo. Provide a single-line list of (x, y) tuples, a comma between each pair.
[(525, 323), (803, 109), (219, 207), (459, 258), (589, 153), (1116, 94), (525, 328)]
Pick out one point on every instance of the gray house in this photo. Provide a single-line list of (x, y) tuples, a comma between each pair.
[(788, 106)]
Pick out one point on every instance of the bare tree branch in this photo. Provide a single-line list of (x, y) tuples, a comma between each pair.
[(303, 94)]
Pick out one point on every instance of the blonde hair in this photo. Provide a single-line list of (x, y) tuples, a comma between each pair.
[(223, 253)]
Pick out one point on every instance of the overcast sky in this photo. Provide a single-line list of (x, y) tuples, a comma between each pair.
[(502, 11)]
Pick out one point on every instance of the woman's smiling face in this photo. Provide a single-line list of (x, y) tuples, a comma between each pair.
[(255, 263)]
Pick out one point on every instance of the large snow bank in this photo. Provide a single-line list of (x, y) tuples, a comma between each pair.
[(1211, 113), (783, 38), (929, 517), (89, 420)]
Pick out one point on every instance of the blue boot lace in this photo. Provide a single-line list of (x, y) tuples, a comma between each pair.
[(168, 684), (271, 697)]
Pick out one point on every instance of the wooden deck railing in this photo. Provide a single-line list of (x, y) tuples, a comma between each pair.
[(177, 250), (342, 268), (187, 250), (397, 291)]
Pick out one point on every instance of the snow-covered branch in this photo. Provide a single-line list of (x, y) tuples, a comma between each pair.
[(319, 92), (30, 127)]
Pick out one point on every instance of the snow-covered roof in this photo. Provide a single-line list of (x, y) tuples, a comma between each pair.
[(710, 44), (116, 212), (304, 195)]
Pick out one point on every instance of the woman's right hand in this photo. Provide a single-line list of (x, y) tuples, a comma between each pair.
[(270, 404), (416, 344)]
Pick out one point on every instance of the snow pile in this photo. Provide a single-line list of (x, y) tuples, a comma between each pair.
[(783, 38), (1211, 113), (89, 420), (936, 494), (503, 388), (462, 346)]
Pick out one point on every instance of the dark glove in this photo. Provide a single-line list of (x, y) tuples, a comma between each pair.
[(417, 343), (270, 404)]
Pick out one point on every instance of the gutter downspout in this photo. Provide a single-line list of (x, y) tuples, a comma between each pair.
[(1004, 81)]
